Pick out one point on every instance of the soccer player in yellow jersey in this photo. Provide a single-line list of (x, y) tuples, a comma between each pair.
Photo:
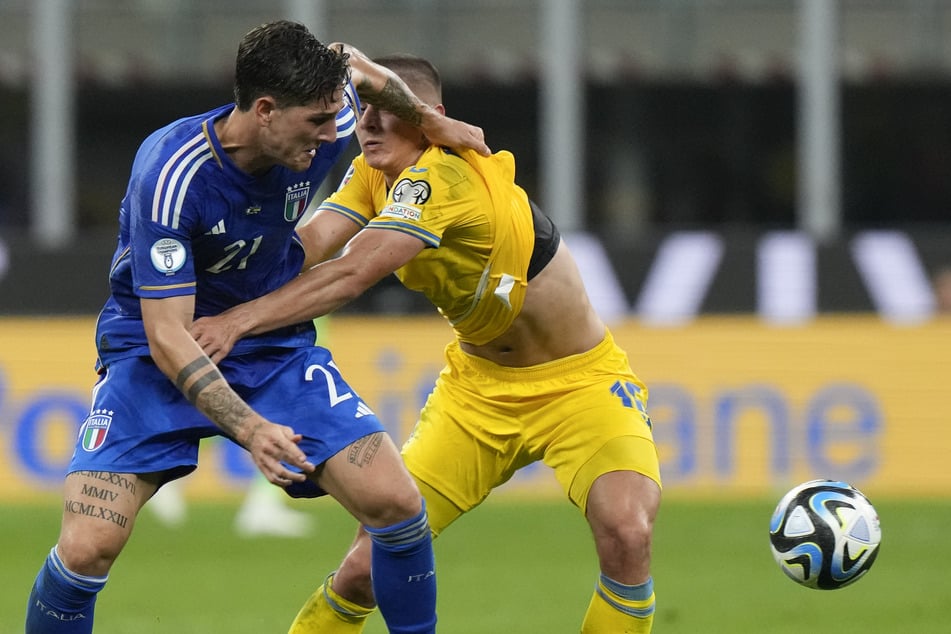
[(533, 373)]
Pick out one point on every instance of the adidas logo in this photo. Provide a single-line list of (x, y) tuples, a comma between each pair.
[(217, 229), (363, 410)]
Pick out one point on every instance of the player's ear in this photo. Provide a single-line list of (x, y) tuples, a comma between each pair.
[(263, 109), (441, 109)]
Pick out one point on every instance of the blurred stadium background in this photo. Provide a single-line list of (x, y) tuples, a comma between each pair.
[(758, 192), (784, 165)]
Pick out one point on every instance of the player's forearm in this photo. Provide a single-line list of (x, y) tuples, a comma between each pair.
[(396, 98), (204, 386), (314, 293), (194, 374), (381, 87)]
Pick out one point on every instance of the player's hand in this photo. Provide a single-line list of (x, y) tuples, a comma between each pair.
[(273, 447), (449, 132), (216, 335)]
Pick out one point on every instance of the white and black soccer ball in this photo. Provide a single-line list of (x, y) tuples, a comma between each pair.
[(825, 534)]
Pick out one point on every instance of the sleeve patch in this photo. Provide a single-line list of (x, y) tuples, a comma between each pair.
[(406, 212), (346, 177), (410, 191), (168, 255)]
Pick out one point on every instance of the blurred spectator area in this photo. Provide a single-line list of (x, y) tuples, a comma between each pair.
[(123, 41), (690, 113), (690, 103)]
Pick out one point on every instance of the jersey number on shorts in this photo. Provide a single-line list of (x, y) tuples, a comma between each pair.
[(628, 393), (331, 386)]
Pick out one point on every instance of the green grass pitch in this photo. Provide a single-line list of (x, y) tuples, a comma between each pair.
[(512, 566)]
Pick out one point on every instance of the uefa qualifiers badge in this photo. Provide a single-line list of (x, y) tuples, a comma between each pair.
[(96, 428), (168, 255), (411, 192), (295, 201)]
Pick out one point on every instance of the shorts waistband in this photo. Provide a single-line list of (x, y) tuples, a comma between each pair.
[(550, 369)]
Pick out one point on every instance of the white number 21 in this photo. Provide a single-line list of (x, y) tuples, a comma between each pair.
[(331, 386)]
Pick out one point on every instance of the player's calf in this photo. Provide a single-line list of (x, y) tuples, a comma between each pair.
[(404, 575), (62, 601)]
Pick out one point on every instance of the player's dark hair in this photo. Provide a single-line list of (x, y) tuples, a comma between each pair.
[(413, 70), (285, 61)]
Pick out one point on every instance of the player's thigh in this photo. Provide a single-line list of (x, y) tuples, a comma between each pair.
[(304, 389), (594, 434), (370, 480), (441, 510), (458, 454), (99, 511), (139, 422)]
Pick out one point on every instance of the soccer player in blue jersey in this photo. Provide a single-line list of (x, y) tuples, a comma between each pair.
[(208, 221), (533, 374)]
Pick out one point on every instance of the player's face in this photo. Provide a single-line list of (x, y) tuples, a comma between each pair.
[(389, 144), (295, 133)]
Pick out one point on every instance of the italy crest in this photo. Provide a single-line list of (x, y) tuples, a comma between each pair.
[(295, 201), (95, 429)]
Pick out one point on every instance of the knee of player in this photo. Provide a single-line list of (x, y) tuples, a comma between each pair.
[(630, 534), (401, 505), (84, 554)]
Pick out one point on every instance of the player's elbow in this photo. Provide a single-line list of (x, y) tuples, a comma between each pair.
[(353, 285), (162, 344)]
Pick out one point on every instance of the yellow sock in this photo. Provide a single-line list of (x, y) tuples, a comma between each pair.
[(616, 608), (327, 612)]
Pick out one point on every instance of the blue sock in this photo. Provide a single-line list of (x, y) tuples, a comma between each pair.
[(61, 602), (403, 571)]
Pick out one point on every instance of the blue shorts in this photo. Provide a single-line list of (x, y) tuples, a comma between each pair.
[(141, 423)]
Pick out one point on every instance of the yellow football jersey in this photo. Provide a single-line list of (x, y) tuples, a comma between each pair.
[(476, 224)]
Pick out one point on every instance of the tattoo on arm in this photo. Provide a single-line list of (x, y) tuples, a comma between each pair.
[(219, 403), (225, 408), (394, 98), (201, 382), (364, 450), (189, 370)]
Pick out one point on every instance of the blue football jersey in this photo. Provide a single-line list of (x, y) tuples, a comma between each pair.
[(191, 222)]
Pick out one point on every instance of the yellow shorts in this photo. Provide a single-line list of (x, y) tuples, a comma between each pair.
[(584, 416)]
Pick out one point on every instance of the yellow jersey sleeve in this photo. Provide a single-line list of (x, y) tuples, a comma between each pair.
[(361, 192), (475, 222)]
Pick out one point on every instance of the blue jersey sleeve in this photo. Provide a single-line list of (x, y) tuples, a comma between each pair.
[(163, 206), (350, 113)]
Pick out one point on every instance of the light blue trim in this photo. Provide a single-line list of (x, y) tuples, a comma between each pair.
[(640, 592), (94, 584), (339, 609), (403, 535)]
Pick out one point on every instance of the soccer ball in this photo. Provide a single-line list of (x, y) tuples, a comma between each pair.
[(824, 534)]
